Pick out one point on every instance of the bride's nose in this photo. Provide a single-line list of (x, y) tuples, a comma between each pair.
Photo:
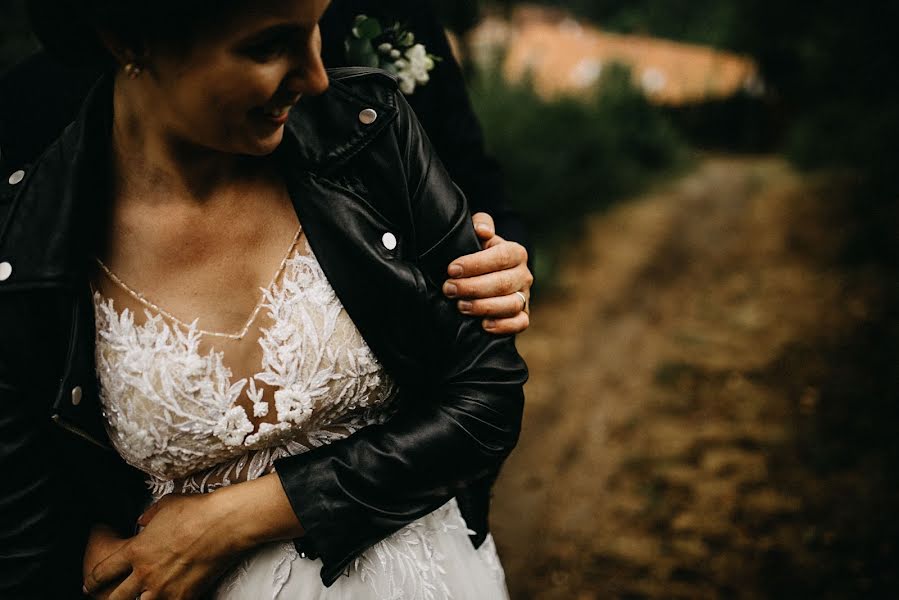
[(308, 76)]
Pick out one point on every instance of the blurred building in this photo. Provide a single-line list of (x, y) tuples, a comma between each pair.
[(565, 56)]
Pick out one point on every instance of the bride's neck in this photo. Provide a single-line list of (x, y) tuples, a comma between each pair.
[(152, 164)]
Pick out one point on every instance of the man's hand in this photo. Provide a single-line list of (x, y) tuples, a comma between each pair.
[(485, 283)]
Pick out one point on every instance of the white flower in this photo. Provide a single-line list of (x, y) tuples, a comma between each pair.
[(136, 443), (385, 48), (395, 53), (293, 405), (419, 64), (233, 427), (407, 82), (416, 52), (420, 74)]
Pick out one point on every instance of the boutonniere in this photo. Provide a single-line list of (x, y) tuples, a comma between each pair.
[(392, 49)]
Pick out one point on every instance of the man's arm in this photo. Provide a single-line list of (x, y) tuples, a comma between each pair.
[(496, 282)]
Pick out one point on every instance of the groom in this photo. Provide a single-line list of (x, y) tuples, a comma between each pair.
[(39, 97)]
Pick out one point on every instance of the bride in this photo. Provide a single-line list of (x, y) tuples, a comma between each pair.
[(264, 248)]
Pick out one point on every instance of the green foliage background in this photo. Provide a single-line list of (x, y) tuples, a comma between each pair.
[(565, 158), (829, 65)]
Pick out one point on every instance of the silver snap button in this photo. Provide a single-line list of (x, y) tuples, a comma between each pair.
[(5, 271), (16, 177), (76, 395), (368, 116), (389, 240)]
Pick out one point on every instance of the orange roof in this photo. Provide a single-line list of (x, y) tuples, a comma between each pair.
[(566, 56)]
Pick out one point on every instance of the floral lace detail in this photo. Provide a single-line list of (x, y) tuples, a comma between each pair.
[(488, 554), (411, 559), (173, 411), (256, 463), (407, 565)]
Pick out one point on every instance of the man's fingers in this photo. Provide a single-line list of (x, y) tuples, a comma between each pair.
[(510, 326), (114, 568), (483, 225), (496, 240), (498, 257), (130, 589), (501, 283), (501, 307)]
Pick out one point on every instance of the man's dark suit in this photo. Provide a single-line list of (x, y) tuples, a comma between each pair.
[(39, 97)]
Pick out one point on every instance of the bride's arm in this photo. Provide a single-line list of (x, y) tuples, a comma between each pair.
[(189, 541)]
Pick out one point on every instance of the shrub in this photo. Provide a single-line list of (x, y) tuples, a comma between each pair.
[(568, 157)]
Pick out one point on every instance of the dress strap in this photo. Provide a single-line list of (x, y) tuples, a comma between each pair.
[(155, 307)]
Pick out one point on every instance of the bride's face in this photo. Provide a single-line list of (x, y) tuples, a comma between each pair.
[(232, 89)]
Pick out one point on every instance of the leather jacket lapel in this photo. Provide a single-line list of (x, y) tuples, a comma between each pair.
[(77, 404), (381, 292)]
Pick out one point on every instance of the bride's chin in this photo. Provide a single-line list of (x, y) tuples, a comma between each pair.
[(266, 145)]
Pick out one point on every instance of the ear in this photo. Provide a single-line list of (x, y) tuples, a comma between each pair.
[(124, 51)]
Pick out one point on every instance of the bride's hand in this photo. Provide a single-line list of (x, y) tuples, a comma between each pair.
[(494, 283), (188, 542), (183, 549)]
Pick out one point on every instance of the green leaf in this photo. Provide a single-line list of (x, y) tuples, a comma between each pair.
[(360, 53), (367, 28)]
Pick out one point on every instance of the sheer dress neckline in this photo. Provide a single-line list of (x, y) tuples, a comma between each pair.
[(146, 303), (174, 409)]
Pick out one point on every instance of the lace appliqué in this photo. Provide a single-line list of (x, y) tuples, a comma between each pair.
[(411, 559), (407, 565), (173, 412)]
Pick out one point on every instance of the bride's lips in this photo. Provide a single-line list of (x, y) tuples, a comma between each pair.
[(276, 113)]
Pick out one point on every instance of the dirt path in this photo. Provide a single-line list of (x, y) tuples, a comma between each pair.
[(678, 383)]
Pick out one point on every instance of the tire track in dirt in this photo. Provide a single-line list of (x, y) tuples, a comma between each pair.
[(652, 419)]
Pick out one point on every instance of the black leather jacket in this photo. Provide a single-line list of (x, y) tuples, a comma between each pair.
[(461, 394)]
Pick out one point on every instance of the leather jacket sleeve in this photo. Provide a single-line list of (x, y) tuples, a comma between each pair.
[(455, 428)]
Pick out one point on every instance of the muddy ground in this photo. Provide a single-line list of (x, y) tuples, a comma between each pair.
[(712, 405)]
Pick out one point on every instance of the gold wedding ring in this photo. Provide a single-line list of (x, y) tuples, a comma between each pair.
[(524, 300)]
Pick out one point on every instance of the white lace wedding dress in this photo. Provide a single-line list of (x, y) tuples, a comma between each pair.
[(175, 411)]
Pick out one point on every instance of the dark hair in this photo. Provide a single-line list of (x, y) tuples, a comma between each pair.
[(68, 28)]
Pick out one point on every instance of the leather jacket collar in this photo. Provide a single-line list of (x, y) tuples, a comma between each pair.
[(56, 212)]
